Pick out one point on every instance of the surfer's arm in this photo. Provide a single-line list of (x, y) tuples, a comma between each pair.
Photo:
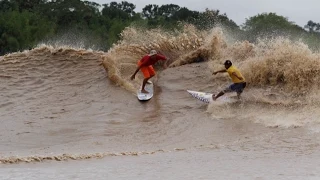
[(134, 74), (165, 63), (162, 57), (221, 71)]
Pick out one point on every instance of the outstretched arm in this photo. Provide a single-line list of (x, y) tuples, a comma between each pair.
[(221, 71), (165, 63), (164, 58), (134, 74)]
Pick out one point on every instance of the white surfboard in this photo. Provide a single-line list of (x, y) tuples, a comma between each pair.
[(207, 97), (143, 96), (202, 96)]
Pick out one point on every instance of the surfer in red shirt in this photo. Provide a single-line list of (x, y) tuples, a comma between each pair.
[(145, 65)]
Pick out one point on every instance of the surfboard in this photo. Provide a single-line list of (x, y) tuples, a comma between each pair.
[(202, 96), (207, 97), (143, 96)]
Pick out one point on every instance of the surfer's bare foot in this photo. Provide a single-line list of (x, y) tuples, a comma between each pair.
[(239, 96), (144, 91)]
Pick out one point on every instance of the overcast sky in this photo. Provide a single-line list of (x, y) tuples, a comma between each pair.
[(298, 11)]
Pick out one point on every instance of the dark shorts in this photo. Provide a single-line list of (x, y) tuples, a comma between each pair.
[(236, 87)]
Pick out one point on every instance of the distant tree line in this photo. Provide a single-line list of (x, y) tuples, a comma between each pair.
[(24, 23)]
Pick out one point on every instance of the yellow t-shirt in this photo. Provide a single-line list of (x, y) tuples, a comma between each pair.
[(233, 69)]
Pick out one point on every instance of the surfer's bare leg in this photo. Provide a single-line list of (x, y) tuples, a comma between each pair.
[(217, 96), (239, 95), (145, 80), (143, 85)]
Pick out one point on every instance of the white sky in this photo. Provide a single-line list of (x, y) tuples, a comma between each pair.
[(298, 11)]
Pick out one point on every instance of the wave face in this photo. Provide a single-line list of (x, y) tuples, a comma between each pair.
[(58, 101)]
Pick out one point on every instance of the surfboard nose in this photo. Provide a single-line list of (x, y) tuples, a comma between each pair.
[(202, 96)]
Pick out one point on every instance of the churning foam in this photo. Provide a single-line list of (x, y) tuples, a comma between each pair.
[(287, 68)]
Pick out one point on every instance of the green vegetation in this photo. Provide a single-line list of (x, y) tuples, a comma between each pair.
[(25, 23)]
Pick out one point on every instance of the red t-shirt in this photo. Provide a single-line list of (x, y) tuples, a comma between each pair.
[(147, 61)]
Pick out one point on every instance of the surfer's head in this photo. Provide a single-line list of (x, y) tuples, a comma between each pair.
[(227, 64), (152, 53)]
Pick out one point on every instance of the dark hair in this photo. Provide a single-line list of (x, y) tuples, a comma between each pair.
[(228, 62)]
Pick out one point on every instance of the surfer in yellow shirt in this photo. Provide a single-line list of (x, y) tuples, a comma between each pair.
[(238, 80)]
